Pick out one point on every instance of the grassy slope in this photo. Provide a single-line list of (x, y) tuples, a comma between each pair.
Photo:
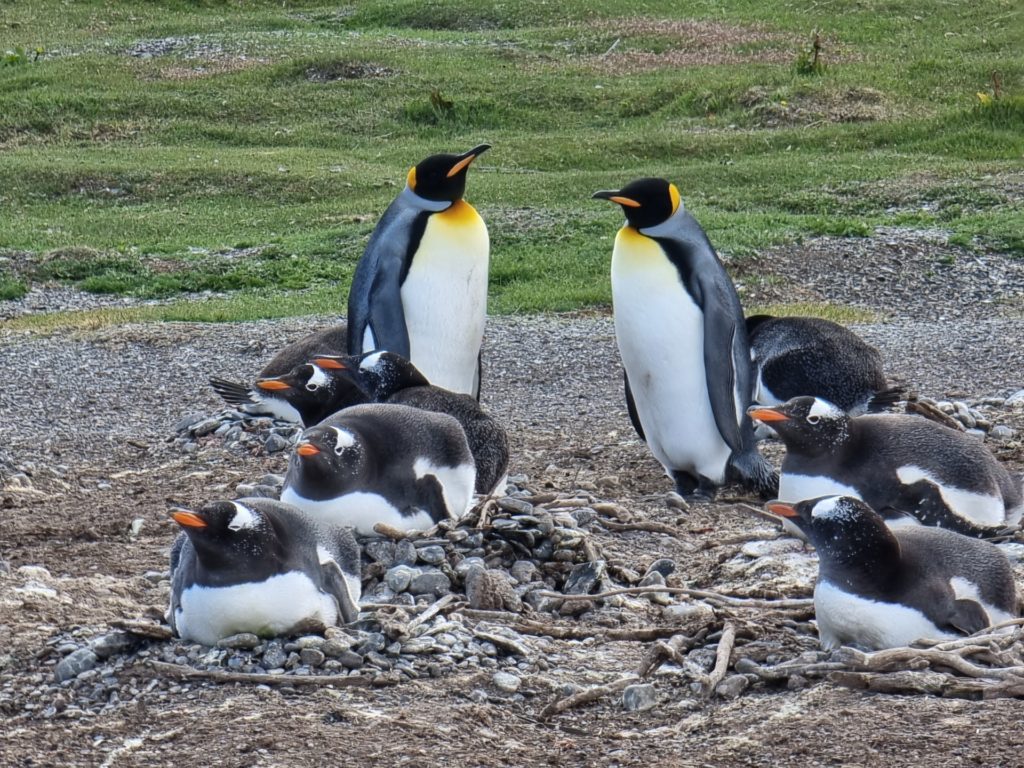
[(161, 166)]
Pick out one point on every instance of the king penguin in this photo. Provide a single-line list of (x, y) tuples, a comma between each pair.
[(906, 468), (683, 342), (420, 288), (260, 566), (881, 588)]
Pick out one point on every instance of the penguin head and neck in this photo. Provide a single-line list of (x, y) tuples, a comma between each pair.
[(807, 425), (327, 460), (388, 372), (229, 536), (440, 180), (852, 540), (647, 202)]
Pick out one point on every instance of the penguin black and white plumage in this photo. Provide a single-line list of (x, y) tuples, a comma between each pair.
[(796, 356), (390, 378), (881, 588), (683, 342), (420, 288), (314, 392), (906, 468), (382, 463), (257, 565), (268, 401)]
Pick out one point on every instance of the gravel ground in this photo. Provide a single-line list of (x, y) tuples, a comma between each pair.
[(89, 466)]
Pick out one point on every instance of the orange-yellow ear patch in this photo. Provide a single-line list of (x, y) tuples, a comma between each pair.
[(411, 178), (673, 193)]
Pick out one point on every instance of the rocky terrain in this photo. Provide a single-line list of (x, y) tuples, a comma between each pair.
[(468, 651)]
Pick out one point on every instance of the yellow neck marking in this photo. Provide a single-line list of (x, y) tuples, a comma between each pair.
[(460, 213)]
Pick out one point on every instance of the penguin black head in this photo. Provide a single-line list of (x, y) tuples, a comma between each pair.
[(226, 533), (380, 373), (328, 457), (443, 177), (646, 202), (314, 391), (807, 425), (845, 531)]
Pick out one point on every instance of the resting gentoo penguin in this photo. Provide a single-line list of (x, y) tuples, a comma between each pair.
[(308, 393), (260, 566), (420, 288), (390, 378), (796, 356), (382, 463), (881, 588), (683, 343), (899, 465), (267, 401)]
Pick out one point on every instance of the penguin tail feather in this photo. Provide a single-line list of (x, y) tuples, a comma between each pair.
[(232, 392), (753, 471), (886, 399)]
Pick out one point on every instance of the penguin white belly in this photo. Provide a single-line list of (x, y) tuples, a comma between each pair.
[(358, 510), (265, 608), (845, 618), (660, 334), (794, 488), (444, 297), (457, 484), (978, 507)]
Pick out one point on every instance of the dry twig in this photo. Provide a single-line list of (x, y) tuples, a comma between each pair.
[(587, 696)]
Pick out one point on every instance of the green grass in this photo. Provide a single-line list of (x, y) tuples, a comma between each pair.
[(257, 144)]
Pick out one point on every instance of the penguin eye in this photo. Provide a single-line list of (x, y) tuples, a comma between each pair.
[(311, 387), (338, 450), (813, 419)]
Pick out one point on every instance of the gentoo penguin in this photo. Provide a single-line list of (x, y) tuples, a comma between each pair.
[(420, 288), (309, 393), (260, 566), (796, 356), (390, 378), (683, 343), (382, 463), (266, 401), (905, 467), (881, 588)]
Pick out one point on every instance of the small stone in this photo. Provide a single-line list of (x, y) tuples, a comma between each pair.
[(113, 643), (273, 480), (204, 427), (276, 444), (312, 657), (380, 551), (478, 696), (430, 582), (506, 681), (422, 644), (524, 571), (350, 659), (685, 613), (1002, 433), (274, 657), (260, 491), (639, 698), (405, 553), (977, 433), (399, 578), (74, 664), (665, 566), (309, 641), (732, 686), (515, 506), (466, 564), (243, 641), (655, 579), (583, 578), (186, 422), (1017, 398), (335, 646), (491, 590), (432, 555)]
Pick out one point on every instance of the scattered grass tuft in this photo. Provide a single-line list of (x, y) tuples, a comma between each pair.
[(11, 288), (837, 313)]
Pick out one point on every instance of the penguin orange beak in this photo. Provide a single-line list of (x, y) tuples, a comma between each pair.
[(615, 197), (467, 158), (328, 364), (780, 509), (766, 415), (272, 384), (187, 519), (307, 449)]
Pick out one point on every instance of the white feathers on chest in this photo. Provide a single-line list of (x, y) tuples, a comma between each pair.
[(359, 510), (266, 608), (444, 298), (660, 334)]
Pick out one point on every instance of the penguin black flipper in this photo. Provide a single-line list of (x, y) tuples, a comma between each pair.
[(232, 392), (631, 408), (968, 616), (431, 496), (923, 501), (334, 583), (375, 298), (724, 355)]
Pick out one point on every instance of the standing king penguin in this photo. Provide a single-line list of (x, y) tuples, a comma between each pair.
[(420, 289), (683, 342)]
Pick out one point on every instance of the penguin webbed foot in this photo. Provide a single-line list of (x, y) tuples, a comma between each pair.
[(753, 472), (698, 489)]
